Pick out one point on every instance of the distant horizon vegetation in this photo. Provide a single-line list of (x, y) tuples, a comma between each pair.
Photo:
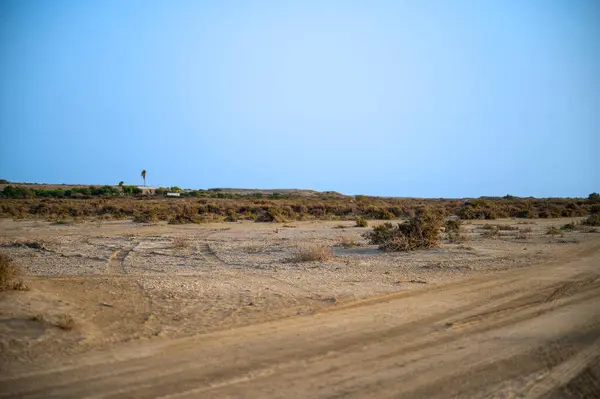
[(107, 190)]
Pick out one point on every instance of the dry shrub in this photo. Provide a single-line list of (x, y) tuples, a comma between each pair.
[(185, 215), (312, 252), (500, 227), (421, 231), (65, 322), (524, 233), (9, 274), (592, 220), (181, 243), (254, 248), (348, 242), (147, 216), (453, 230), (32, 244), (271, 215), (361, 222), (490, 231), (553, 231)]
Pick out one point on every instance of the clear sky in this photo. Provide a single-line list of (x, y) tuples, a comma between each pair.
[(404, 98)]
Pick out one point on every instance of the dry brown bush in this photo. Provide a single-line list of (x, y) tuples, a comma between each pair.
[(361, 222), (505, 227), (9, 273), (348, 242), (311, 252), (65, 322), (181, 243), (421, 231), (592, 220), (524, 233), (490, 232), (454, 231), (216, 206)]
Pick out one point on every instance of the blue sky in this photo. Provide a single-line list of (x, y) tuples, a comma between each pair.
[(400, 98)]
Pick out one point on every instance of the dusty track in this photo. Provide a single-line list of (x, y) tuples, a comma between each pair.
[(116, 263), (532, 332)]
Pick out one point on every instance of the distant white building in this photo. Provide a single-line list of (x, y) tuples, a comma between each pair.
[(173, 195)]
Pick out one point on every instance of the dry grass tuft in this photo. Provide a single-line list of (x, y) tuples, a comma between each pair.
[(65, 322), (524, 233), (361, 222), (181, 243), (490, 232), (9, 274), (553, 231), (348, 242), (504, 227), (311, 253)]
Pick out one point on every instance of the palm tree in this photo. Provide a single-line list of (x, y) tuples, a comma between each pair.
[(121, 183), (144, 176)]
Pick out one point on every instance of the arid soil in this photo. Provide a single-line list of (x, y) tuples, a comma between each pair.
[(118, 309)]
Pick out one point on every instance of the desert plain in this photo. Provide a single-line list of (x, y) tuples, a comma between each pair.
[(123, 309)]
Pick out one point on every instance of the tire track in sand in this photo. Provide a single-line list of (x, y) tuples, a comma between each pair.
[(116, 262)]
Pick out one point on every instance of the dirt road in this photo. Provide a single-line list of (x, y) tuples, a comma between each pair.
[(532, 332)]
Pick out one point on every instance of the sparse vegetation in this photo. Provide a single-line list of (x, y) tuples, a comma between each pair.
[(568, 227), (361, 222), (490, 231), (9, 275), (116, 202), (181, 243), (347, 242), (552, 230), (453, 230), (524, 233), (8, 271), (421, 231), (147, 216), (311, 252), (592, 220), (65, 322)]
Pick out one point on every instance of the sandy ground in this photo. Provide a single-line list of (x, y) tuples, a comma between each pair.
[(119, 285)]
